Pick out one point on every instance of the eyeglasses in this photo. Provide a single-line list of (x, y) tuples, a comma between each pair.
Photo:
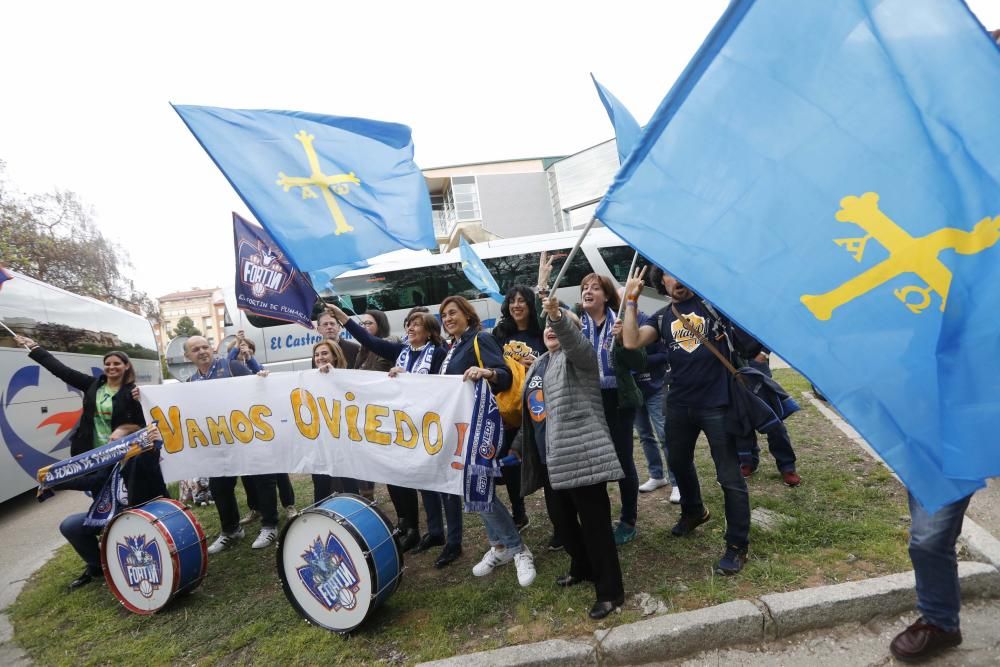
[(367, 323)]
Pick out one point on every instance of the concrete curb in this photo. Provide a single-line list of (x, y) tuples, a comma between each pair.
[(674, 635), (551, 652), (980, 542), (860, 601), (741, 622)]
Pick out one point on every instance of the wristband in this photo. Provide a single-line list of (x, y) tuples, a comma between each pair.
[(631, 303)]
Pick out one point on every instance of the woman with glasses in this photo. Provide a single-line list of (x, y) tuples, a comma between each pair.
[(372, 323)]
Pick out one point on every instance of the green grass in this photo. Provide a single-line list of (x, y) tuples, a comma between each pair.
[(847, 522)]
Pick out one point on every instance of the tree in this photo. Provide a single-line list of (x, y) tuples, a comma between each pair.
[(185, 327), (53, 238)]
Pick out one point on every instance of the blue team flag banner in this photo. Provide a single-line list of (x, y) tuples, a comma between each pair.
[(332, 191), (827, 174), (477, 273), (626, 127), (267, 282)]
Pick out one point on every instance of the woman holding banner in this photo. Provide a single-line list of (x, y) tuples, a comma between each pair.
[(109, 411), (476, 356), (566, 449), (619, 392), (423, 352), (327, 355)]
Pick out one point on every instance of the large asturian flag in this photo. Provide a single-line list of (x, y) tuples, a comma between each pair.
[(626, 126), (827, 174), (267, 282), (333, 191)]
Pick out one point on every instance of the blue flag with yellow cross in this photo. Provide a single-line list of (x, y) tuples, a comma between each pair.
[(333, 191), (828, 174)]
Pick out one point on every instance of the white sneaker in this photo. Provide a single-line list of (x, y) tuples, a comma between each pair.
[(267, 537), (525, 564), (675, 495), (652, 484), (492, 560), (226, 540)]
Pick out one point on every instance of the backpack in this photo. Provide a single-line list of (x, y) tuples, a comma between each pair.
[(509, 400)]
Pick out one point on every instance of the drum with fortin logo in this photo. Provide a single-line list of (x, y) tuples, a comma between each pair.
[(152, 553), (338, 561)]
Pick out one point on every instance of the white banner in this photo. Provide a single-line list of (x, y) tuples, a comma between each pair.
[(411, 430)]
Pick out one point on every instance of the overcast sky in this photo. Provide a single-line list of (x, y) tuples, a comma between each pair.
[(86, 86)]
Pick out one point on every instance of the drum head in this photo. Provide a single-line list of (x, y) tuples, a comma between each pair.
[(137, 562), (324, 571)]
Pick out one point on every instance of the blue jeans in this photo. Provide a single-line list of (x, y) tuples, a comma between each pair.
[(649, 426), (778, 442), (682, 427), (452, 512), (500, 528), (932, 552), (84, 539)]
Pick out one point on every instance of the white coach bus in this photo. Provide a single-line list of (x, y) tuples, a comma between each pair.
[(411, 278), (38, 412)]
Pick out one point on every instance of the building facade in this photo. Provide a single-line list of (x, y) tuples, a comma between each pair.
[(205, 307), (498, 200)]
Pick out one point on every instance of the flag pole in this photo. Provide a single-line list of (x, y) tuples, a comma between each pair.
[(11, 332), (635, 260), (572, 253)]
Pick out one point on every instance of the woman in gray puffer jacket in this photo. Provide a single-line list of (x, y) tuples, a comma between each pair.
[(566, 449)]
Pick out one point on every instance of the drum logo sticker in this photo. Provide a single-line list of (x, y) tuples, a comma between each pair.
[(140, 562), (329, 574)]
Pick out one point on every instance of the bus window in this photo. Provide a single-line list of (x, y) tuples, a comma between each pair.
[(523, 269), (619, 259), (76, 329), (402, 290), (21, 309)]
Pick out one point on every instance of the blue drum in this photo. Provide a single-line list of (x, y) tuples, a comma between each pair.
[(152, 553), (338, 561)]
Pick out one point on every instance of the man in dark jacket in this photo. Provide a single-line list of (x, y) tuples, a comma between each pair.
[(697, 401)]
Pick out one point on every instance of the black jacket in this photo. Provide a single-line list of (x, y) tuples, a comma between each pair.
[(142, 473), (464, 358), (124, 408)]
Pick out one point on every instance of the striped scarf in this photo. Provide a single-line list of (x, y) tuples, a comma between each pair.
[(481, 465), (603, 343), (423, 363)]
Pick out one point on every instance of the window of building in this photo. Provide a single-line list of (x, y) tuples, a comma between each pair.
[(465, 195)]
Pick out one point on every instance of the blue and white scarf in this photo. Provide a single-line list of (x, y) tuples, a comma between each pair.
[(112, 496), (483, 443), (603, 342), (423, 362)]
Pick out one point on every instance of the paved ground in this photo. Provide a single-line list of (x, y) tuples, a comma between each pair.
[(869, 644), (29, 533), (863, 645)]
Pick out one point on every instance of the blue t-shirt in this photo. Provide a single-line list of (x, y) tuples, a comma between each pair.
[(697, 378), (534, 400)]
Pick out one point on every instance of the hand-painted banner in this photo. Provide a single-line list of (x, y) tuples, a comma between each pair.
[(412, 430)]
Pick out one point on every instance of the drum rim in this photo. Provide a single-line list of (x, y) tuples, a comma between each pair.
[(369, 559), (174, 558)]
